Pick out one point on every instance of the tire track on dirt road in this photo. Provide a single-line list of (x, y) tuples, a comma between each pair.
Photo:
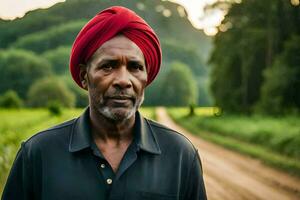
[(232, 176)]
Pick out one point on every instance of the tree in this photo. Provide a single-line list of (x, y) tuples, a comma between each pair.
[(81, 95), (50, 38), (253, 40), (19, 69), (59, 59), (204, 94), (178, 88), (173, 50), (10, 99), (50, 90), (280, 92)]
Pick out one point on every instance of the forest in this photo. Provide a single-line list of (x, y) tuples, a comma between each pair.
[(256, 61)]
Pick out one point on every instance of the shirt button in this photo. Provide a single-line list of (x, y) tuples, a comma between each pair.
[(102, 166), (108, 181)]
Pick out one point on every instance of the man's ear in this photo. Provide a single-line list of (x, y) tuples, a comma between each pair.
[(83, 76)]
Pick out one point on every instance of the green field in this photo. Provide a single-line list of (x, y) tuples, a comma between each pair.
[(18, 125), (276, 141)]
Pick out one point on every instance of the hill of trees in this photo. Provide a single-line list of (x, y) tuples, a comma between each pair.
[(49, 33)]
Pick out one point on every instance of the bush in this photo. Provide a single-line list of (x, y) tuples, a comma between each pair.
[(178, 86), (10, 99), (19, 69), (54, 108), (80, 94), (44, 91)]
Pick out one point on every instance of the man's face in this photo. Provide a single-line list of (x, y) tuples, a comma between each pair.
[(116, 77)]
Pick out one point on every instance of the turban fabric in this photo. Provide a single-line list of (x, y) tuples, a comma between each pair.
[(107, 24)]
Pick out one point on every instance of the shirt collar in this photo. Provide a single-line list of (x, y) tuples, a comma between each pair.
[(80, 133), (144, 135)]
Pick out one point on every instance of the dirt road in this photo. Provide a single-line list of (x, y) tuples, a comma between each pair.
[(231, 176)]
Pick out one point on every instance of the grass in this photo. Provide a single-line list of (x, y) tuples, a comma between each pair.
[(148, 112), (276, 141), (18, 125)]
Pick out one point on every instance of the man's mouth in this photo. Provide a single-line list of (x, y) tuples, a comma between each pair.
[(121, 100)]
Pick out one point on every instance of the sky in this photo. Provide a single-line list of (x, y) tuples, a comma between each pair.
[(10, 9), (195, 9)]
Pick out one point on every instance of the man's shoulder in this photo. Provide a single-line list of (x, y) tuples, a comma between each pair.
[(168, 137), (51, 135)]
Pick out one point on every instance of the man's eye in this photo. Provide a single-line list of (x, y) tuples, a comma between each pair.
[(106, 67), (136, 67)]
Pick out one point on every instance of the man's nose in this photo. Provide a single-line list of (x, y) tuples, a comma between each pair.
[(122, 78)]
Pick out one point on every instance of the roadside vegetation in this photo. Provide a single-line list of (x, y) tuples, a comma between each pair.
[(274, 140)]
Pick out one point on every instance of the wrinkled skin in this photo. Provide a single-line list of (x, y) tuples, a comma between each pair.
[(115, 78)]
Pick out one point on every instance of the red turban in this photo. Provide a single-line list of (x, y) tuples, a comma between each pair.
[(107, 24)]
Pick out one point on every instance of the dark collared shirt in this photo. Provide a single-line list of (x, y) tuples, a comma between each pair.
[(63, 163)]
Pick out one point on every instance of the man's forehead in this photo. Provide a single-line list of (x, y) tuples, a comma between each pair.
[(119, 46), (116, 40)]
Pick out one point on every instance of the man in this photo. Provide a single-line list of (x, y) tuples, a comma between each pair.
[(111, 151)]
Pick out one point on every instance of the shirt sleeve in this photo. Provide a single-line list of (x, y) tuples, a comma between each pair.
[(18, 185), (195, 187)]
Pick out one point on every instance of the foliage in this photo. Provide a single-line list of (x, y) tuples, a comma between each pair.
[(55, 108), (148, 112), (187, 54), (280, 93), (152, 91), (80, 94), (19, 69), (50, 38), (252, 44), (59, 59), (278, 134), (191, 110), (10, 99), (18, 125), (276, 141), (44, 91), (204, 93), (178, 86)]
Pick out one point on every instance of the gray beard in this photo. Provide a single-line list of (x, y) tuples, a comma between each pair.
[(108, 113)]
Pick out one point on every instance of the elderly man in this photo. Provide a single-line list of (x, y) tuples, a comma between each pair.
[(111, 151)]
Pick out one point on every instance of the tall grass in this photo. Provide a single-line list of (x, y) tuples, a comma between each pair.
[(274, 140)]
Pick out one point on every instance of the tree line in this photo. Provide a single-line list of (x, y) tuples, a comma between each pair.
[(256, 58)]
